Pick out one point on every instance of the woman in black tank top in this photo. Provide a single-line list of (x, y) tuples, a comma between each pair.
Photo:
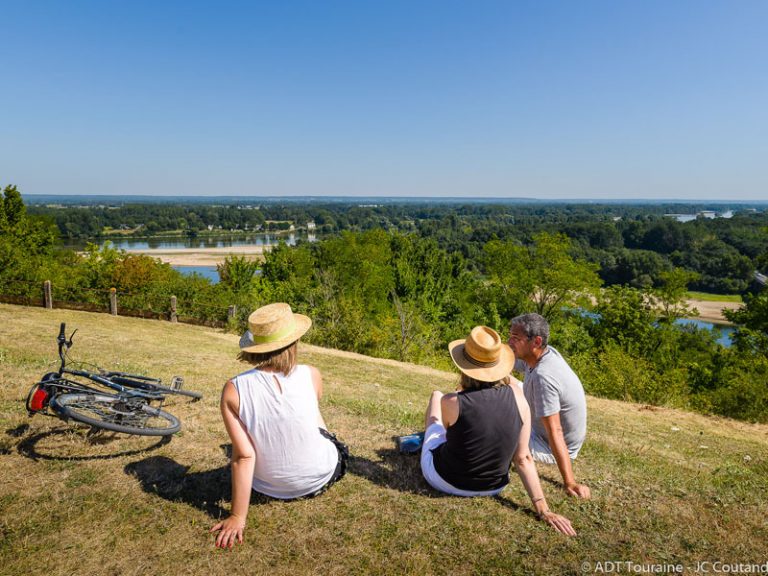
[(480, 444), (474, 435)]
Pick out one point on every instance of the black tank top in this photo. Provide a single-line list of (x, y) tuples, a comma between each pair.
[(480, 445)]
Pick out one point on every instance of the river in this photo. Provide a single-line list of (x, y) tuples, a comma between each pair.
[(200, 242), (726, 331)]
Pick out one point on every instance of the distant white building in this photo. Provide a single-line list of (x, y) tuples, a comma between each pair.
[(311, 225)]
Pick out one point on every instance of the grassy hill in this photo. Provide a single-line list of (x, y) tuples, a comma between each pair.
[(668, 486)]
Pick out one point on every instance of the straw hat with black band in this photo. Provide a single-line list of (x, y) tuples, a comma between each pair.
[(482, 356), (272, 327)]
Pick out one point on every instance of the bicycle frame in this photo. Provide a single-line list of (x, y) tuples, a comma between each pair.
[(103, 379)]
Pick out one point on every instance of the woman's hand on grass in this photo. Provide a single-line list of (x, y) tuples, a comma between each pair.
[(559, 523), (230, 530)]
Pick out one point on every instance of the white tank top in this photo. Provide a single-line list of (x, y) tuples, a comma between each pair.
[(292, 458)]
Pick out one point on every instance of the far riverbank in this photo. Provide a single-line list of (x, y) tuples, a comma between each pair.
[(713, 311), (202, 256)]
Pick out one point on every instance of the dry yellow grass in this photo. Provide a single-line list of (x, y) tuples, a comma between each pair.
[(668, 486)]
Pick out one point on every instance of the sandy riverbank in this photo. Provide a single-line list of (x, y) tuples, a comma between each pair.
[(713, 311), (202, 256)]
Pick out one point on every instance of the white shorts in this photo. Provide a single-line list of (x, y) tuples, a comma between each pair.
[(541, 451), (433, 437)]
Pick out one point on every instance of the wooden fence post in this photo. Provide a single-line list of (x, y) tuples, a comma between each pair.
[(47, 298), (113, 301), (174, 317), (231, 312)]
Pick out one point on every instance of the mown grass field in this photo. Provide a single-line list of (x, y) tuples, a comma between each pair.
[(708, 297), (668, 486)]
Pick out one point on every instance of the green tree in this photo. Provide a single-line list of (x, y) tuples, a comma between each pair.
[(671, 295), (722, 268), (13, 209), (751, 335), (543, 274), (560, 280), (237, 272), (100, 265), (26, 246), (505, 264), (626, 317), (34, 235), (360, 263), (636, 268)]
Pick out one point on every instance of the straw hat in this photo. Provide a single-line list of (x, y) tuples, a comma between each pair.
[(482, 356), (272, 327)]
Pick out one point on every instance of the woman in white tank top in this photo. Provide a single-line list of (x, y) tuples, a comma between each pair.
[(280, 445)]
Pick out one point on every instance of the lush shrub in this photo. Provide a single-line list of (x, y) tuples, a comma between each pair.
[(615, 373)]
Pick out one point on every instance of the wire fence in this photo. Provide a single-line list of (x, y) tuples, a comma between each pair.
[(110, 301)]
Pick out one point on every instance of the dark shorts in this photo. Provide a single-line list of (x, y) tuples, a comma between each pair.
[(341, 466)]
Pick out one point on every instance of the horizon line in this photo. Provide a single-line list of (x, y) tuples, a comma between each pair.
[(409, 199)]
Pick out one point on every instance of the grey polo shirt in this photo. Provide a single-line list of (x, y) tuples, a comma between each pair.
[(551, 387)]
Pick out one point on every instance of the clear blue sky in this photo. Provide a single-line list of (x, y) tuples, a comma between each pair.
[(573, 99)]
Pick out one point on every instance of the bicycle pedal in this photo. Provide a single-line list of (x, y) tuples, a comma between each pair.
[(177, 382)]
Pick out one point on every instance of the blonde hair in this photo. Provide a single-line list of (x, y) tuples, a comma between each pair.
[(469, 383), (281, 360)]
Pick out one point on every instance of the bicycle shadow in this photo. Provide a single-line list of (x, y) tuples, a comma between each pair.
[(29, 448), (206, 491)]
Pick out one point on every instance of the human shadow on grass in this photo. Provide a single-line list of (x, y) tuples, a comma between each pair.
[(172, 481), (403, 472), (29, 446), (393, 470)]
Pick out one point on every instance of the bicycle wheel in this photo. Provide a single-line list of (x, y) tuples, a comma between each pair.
[(151, 387), (116, 413)]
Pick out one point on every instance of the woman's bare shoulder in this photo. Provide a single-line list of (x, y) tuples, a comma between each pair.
[(522, 403), (229, 394)]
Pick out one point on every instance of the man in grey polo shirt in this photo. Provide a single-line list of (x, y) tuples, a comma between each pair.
[(555, 395)]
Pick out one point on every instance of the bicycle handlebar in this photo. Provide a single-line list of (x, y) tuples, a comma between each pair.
[(64, 344)]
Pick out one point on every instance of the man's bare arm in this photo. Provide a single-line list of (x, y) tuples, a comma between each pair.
[(560, 452)]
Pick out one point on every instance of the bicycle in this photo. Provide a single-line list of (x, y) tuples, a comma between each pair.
[(128, 409)]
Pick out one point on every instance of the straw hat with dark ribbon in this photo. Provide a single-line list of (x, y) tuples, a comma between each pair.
[(482, 356), (273, 327)]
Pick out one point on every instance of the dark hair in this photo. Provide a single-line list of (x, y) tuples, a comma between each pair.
[(280, 360), (469, 383), (532, 325)]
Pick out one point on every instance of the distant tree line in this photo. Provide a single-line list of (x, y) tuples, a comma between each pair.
[(632, 245)]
